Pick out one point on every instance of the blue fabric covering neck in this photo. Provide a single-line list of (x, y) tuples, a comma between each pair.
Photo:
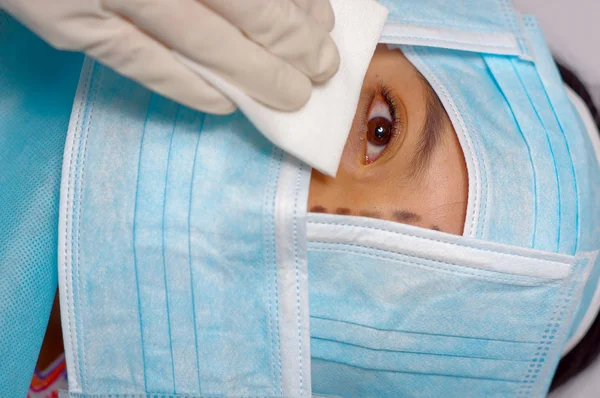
[(37, 85)]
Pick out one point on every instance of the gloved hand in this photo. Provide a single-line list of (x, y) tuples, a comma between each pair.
[(270, 49)]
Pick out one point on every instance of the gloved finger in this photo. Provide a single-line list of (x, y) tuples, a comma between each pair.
[(201, 35), (320, 11), (133, 54), (285, 30)]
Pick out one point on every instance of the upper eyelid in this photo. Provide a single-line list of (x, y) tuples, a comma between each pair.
[(381, 89), (380, 108)]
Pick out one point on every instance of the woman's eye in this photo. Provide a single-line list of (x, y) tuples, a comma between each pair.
[(379, 130)]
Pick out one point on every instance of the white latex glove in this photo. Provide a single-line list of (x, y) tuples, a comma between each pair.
[(270, 49)]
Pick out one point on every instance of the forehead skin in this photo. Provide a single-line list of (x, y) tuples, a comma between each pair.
[(389, 188)]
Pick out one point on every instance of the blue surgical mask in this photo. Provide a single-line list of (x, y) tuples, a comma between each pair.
[(562, 173), (586, 169), (399, 311), (488, 26), (178, 267), (188, 264)]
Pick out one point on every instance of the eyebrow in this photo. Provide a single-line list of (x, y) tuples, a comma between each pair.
[(406, 216), (343, 211), (370, 213), (431, 133)]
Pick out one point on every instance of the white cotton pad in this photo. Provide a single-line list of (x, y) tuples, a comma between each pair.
[(317, 133)]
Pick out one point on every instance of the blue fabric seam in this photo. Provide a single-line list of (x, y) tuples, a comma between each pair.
[(444, 24), (416, 373), (94, 88), (267, 233), (450, 41), (574, 182), (271, 265), (556, 76), (421, 333), (69, 202), (298, 175), (483, 170), (275, 276), (137, 283), (392, 256), (500, 86), (192, 284), (389, 350), (164, 260), (551, 151), (441, 241)]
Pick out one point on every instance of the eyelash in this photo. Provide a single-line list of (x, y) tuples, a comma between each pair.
[(397, 123), (386, 93)]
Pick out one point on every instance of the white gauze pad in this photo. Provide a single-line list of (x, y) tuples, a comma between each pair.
[(317, 133)]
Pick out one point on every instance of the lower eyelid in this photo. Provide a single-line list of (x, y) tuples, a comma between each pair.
[(373, 152)]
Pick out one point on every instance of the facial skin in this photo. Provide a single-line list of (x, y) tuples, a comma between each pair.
[(419, 177)]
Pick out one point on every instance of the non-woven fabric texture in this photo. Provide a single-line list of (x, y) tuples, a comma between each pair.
[(37, 86), (316, 134), (400, 311), (181, 265)]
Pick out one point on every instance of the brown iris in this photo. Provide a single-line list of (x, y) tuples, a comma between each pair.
[(379, 131)]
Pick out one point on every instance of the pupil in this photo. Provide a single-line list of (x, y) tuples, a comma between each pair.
[(380, 132)]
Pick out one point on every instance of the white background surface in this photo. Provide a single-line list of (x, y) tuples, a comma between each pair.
[(585, 385), (572, 29)]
